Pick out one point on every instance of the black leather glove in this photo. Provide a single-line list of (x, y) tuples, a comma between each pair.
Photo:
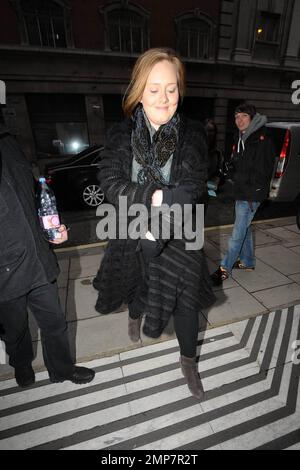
[(184, 194), (150, 248)]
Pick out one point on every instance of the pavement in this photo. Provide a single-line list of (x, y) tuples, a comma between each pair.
[(249, 364)]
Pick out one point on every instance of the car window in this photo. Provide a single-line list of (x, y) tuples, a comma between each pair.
[(97, 158), (85, 158)]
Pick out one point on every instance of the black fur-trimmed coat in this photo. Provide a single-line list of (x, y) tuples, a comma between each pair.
[(176, 279)]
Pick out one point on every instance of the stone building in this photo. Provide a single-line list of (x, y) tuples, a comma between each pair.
[(66, 63)]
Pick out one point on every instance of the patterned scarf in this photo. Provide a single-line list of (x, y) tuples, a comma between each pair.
[(152, 156)]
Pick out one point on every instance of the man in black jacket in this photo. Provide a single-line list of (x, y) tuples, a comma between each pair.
[(252, 161), (28, 273)]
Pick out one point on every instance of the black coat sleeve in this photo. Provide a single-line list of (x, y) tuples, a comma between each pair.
[(190, 183), (194, 162), (115, 170)]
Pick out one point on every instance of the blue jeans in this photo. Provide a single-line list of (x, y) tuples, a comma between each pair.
[(241, 243)]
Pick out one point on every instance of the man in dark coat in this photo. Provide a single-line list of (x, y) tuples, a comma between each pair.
[(252, 164), (28, 273)]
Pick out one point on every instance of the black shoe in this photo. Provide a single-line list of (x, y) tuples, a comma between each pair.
[(80, 375), (219, 276), (24, 376)]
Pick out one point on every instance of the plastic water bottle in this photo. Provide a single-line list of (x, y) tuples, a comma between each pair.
[(47, 211)]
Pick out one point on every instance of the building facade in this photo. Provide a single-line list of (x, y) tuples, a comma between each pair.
[(66, 63)]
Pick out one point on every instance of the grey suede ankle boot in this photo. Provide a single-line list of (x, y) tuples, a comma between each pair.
[(134, 328), (190, 372)]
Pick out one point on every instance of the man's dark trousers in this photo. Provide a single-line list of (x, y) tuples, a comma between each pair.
[(45, 305)]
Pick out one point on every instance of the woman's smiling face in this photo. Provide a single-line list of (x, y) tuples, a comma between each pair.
[(160, 97)]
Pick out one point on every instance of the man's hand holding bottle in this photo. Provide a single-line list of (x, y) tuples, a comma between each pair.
[(63, 230)]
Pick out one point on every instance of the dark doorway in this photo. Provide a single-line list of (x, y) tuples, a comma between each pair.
[(197, 108), (113, 112)]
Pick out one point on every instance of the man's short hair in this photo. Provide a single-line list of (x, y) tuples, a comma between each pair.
[(246, 108)]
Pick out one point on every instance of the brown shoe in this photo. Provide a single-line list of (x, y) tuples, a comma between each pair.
[(134, 328), (190, 372), (239, 265)]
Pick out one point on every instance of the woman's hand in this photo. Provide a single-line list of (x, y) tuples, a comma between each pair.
[(157, 198), (63, 235)]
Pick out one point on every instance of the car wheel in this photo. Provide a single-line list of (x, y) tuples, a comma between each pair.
[(92, 194)]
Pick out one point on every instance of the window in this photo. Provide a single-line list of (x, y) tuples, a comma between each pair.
[(126, 28), (113, 113), (267, 37), (195, 37), (58, 122), (268, 27), (197, 108), (44, 23)]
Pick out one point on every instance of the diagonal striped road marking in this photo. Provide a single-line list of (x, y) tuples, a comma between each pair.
[(139, 399)]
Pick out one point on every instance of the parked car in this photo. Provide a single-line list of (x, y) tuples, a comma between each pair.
[(285, 185), (75, 179)]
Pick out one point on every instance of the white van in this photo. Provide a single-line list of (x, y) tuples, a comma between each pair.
[(285, 185)]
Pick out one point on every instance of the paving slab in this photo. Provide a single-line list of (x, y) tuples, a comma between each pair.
[(84, 266), (82, 298), (63, 298), (280, 258), (260, 238), (279, 296), (212, 251), (287, 236), (221, 241), (233, 305), (62, 280), (212, 265), (228, 284), (292, 228), (295, 249), (280, 222), (263, 277), (295, 278), (64, 265), (101, 335)]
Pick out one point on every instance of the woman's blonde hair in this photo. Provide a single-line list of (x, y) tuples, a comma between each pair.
[(140, 73)]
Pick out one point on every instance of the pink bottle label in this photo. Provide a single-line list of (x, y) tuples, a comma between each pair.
[(51, 221)]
